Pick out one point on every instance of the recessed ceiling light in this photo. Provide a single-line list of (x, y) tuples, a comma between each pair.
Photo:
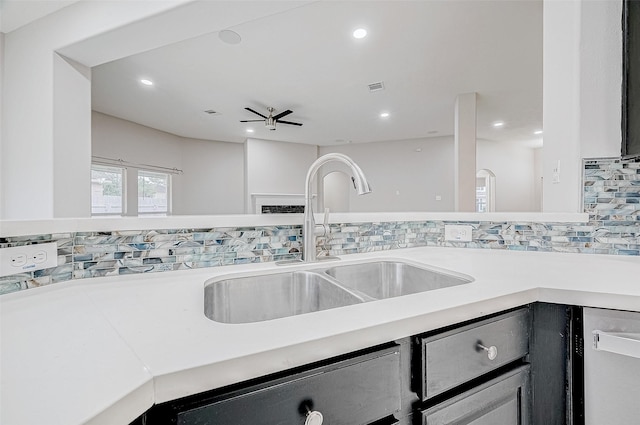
[(146, 82), (360, 33), (250, 130), (384, 115), (537, 132), (498, 124)]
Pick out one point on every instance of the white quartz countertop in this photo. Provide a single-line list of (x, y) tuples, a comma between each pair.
[(103, 350)]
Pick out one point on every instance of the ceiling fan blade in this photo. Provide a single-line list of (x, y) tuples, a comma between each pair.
[(251, 120), (283, 114), (289, 122), (257, 113)]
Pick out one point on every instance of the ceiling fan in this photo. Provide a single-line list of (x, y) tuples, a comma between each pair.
[(270, 121)]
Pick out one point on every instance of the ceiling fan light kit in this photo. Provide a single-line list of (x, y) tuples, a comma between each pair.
[(270, 123)]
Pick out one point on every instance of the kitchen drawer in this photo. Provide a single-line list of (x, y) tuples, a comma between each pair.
[(452, 358), (501, 401), (355, 391)]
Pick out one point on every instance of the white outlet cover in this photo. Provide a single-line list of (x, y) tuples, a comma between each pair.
[(28, 258), (458, 232)]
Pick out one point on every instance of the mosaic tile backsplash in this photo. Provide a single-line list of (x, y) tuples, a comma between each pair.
[(611, 197)]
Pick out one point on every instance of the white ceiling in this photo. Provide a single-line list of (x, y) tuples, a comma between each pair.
[(306, 60), (16, 13)]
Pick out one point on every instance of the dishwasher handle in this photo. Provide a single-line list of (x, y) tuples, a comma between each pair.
[(626, 344)]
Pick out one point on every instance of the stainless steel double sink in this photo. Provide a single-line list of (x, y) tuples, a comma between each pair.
[(275, 295)]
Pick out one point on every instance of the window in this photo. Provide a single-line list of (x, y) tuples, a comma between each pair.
[(107, 189), (129, 190), (153, 192)]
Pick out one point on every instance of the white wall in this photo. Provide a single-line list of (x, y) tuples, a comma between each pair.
[(1, 126), (579, 37), (514, 167), (600, 78), (401, 178), (538, 195), (212, 182), (28, 101), (581, 93), (406, 180), (336, 189), (276, 167), (561, 104), (213, 179), (90, 32)]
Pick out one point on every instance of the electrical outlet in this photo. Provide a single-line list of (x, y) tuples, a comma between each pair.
[(556, 174), (28, 258), (458, 232)]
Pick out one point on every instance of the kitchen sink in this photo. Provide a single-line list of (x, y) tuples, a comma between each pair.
[(272, 296), (387, 279)]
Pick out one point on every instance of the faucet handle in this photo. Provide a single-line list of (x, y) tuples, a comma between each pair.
[(323, 229)]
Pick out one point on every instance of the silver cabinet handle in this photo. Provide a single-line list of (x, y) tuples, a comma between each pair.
[(313, 418), (492, 352), (626, 344)]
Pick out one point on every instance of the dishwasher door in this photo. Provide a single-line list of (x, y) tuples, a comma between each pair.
[(611, 367)]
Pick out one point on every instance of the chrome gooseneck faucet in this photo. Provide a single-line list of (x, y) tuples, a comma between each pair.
[(309, 228)]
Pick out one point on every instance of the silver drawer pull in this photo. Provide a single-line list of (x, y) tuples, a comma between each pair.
[(492, 352), (313, 418)]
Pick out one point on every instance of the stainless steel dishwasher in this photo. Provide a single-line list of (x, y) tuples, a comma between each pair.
[(611, 367)]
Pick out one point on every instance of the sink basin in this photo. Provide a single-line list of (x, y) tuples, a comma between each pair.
[(272, 296), (275, 295), (387, 279)]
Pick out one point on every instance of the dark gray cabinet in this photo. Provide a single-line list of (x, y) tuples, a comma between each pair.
[(355, 391), (451, 358), (476, 373), (508, 369), (501, 401)]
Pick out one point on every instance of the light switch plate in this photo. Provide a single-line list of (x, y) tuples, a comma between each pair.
[(458, 232), (28, 258)]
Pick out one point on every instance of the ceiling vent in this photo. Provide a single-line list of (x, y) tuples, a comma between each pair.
[(211, 112), (376, 86)]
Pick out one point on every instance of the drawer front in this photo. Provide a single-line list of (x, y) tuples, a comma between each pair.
[(359, 392), (504, 401), (452, 358)]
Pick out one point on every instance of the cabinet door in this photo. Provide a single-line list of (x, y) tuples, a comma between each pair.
[(502, 401), (358, 391)]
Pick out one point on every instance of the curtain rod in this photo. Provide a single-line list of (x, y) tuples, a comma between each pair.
[(111, 161)]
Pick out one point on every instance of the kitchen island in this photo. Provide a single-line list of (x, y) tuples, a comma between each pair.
[(105, 350)]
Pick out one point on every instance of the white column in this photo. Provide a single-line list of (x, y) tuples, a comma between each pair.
[(581, 94), (465, 152), (561, 165), (71, 138)]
